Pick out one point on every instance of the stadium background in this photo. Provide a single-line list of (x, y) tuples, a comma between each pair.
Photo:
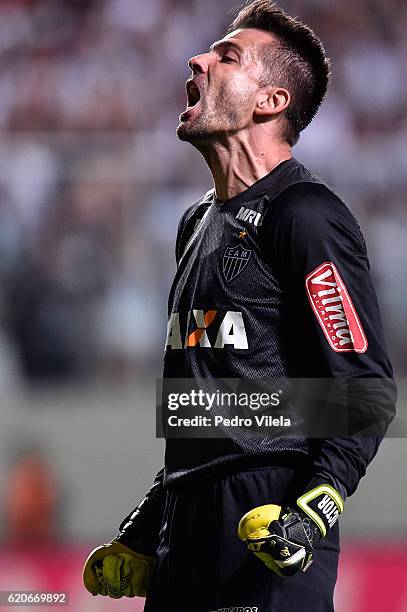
[(92, 184)]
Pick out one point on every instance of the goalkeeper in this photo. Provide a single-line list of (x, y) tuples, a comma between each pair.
[(273, 281)]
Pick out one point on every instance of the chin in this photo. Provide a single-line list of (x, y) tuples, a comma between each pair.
[(183, 131), (192, 133)]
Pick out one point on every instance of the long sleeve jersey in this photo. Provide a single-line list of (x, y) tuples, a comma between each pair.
[(275, 283)]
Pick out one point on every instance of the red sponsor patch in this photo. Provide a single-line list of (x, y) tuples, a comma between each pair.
[(334, 309)]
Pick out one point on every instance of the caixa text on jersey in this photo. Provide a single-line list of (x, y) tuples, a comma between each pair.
[(229, 329)]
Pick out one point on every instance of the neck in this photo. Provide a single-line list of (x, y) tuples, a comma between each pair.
[(239, 161)]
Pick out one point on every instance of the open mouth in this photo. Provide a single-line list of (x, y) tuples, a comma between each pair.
[(193, 94)]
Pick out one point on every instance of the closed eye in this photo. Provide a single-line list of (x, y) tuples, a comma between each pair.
[(227, 60)]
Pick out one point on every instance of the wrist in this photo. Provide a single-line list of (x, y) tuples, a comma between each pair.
[(322, 503)]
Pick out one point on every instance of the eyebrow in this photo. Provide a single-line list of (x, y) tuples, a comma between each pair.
[(225, 43)]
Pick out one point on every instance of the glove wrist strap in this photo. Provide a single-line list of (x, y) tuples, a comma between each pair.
[(323, 504)]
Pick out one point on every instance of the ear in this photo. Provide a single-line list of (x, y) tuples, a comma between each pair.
[(272, 101)]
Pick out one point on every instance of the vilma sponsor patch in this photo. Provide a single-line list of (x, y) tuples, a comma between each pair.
[(334, 309)]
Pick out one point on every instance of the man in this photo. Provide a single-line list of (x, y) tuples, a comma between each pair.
[(272, 281)]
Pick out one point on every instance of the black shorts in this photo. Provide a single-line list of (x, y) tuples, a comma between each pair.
[(203, 566)]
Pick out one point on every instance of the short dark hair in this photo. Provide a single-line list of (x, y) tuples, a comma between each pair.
[(298, 62)]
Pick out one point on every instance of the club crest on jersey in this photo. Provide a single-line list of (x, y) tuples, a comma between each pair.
[(334, 310), (235, 260)]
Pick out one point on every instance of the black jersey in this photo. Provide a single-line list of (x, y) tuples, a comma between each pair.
[(275, 283)]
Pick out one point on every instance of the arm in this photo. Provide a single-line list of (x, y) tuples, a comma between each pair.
[(320, 252), (123, 567), (139, 530), (312, 226)]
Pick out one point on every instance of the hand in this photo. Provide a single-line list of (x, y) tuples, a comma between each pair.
[(117, 571), (285, 539)]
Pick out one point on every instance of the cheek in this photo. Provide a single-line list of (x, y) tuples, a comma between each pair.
[(243, 90), (236, 91)]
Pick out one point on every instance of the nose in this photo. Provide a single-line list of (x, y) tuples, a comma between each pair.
[(199, 63)]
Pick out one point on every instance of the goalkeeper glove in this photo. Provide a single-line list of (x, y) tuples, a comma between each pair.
[(285, 539), (117, 571)]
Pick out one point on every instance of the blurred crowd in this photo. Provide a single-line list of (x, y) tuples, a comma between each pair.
[(93, 179)]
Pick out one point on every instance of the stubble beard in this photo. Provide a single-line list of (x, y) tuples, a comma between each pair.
[(220, 117)]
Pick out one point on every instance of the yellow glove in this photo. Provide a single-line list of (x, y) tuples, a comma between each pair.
[(117, 571), (253, 529), (285, 538)]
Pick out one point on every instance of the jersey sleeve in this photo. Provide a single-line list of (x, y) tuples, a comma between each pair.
[(320, 253), (139, 530)]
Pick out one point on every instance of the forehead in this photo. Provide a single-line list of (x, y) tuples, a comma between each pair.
[(248, 39)]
